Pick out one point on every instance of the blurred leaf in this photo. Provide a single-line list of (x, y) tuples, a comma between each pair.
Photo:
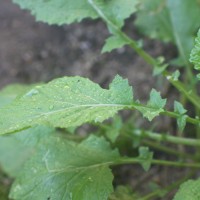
[(181, 122), (10, 92), (112, 131), (16, 148), (176, 75), (178, 108), (146, 157), (169, 20), (153, 19)]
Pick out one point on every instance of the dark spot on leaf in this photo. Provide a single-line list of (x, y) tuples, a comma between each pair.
[(49, 198)]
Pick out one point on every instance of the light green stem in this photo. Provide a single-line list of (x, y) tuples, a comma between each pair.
[(156, 162), (167, 138), (168, 150)]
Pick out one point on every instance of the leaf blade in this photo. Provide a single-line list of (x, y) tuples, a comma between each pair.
[(63, 169), (65, 102), (188, 190), (69, 11), (154, 106)]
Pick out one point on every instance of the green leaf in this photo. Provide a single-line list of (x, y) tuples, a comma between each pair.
[(15, 149), (185, 23), (112, 131), (175, 21), (178, 108), (65, 170), (156, 100), (69, 11), (176, 75), (146, 157), (9, 93), (181, 120), (154, 106), (113, 42), (65, 102), (195, 53), (189, 190)]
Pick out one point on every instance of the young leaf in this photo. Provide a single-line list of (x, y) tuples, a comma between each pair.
[(178, 108), (175, 75), (146, 157), (154, 106), (113, 42), (15, 149), (65, 102), (189, 190), (181, 121), (69, 11), (65, 170), (112, 131)]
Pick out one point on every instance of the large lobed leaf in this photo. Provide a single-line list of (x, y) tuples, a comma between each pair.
[(65, 102), (65, 170), (69, 11), (169, 20)]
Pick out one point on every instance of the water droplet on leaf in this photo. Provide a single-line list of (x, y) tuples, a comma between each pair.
[(31, 93), (51, 107)]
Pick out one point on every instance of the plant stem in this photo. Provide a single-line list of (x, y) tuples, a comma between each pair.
[(168, 150), (153, 62), (154, 161), (166, 138)]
